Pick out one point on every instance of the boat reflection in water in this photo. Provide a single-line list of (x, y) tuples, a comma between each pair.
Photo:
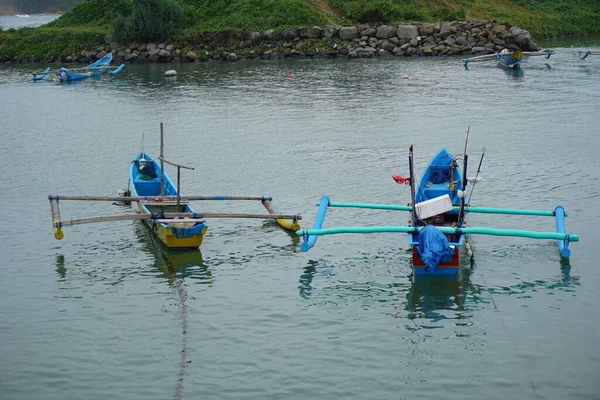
[(428, 294), (171, 262)]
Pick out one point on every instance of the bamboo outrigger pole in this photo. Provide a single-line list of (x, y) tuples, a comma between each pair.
[(56, 223), (172, 218), (156, 198), (169, 218), (290, 226)]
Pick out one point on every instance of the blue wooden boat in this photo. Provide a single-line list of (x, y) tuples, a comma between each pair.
[(162, 208), (511, 60), (584, 54), (437, 227), (145, 180), (508, 59), (438, 198), (94, 69)]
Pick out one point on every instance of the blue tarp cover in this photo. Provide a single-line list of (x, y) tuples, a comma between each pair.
[(433, 248)]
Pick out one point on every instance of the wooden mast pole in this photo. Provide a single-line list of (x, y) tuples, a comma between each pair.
[(179, 166), (162, 164), (178, 186)]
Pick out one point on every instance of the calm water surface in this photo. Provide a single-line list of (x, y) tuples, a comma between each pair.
[(100, 315)]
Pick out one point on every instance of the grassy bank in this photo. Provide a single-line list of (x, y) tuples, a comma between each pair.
[(180, 20)]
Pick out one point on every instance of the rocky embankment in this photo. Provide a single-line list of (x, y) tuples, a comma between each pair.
[(355, 41)]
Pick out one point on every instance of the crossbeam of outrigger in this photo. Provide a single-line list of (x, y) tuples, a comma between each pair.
[(179, 217)]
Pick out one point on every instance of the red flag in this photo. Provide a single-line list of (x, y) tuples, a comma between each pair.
[(400, 180)]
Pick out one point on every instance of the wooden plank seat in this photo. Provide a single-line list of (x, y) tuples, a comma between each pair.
[(180, 222), (159, 202)]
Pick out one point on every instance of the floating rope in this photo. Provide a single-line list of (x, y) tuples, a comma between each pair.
[(182, 293)]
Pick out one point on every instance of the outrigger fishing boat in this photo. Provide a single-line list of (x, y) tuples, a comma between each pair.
[(72, 74), (507, 59), (441, 188), (162, 208), (437, 228)]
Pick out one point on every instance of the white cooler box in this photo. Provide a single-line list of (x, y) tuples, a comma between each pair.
[(435, 206)]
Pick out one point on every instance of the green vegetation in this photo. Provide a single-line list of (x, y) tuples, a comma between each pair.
[(180, 21), (149, 20), (381, 10), (31, 43), (95, 13)]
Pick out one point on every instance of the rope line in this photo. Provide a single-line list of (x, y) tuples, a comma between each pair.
[(182, 293)]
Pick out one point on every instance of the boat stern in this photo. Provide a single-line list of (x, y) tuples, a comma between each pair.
[(181, 237), (449, 265), (443, 268)]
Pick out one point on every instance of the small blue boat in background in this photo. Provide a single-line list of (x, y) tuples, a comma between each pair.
[(584, 54), (508, 59), (94, 69)]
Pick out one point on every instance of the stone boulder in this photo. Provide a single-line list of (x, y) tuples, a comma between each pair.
[(521, 38), (330, 31), (365, 52), (427, 29), (446, 30), (369, 31), (191, 55), (269, 34), (407, 31), (385, 31), (348, 32), (289, 33), (314, 32)]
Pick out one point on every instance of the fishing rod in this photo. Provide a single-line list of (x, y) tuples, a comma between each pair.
[(415, 217), (461, 211), (476, 175)]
